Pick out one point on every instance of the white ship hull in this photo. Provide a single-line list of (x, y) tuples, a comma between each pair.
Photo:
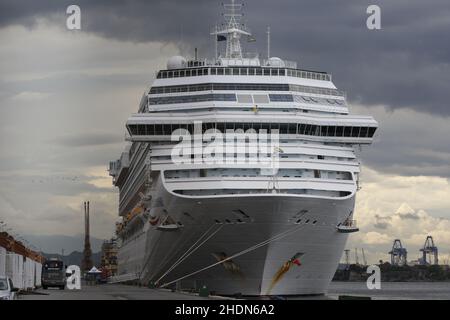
[(320, 246), (240, 175)]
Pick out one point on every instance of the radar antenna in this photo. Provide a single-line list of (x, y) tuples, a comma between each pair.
[(232, 30)]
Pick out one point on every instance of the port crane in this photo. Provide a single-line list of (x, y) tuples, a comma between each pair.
[(429, 251), (398, 253)]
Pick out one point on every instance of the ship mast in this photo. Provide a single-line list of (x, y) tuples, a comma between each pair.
[(232, 30)]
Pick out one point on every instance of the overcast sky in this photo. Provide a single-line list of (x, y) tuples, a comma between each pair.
[(65, 96)]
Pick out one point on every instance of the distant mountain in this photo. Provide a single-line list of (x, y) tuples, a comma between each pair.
[(57, 243), (75, 258)]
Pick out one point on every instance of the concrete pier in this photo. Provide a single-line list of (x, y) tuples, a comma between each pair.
[(111, 292)]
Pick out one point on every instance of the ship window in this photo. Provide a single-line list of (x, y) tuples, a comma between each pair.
[(292, 128), (275, 126), (159, 75), (260, 98), (132, 128), (331, 131), (363, 132), (213, 71), (372, 131), (167, 129), (307, 129), (220, 71), (228, 71), (158, 129), (284, 128), (281, 97), (355, 132), (221, 127), (205, 71), (245, 98), (282, 72), (339, 131), (239, 126), (259, 72), (274, 72), (265, 126), (150, 129), (266, 72), (251, 71), (243, 71), (301, 128), (236, 71), (230, 126), (347, 131), (324, 131)]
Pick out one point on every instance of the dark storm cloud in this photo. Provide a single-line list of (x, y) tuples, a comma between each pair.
[(405, 65), (409, 143)]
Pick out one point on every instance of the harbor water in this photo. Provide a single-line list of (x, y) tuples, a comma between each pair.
[(393, 290)]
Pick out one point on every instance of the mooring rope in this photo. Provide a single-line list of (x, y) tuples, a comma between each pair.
[(191, 250), (259, 245)]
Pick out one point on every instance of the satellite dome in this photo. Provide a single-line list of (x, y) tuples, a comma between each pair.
[(276, 62), (176, 62)]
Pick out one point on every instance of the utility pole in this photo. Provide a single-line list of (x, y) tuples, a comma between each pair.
[(364, 257), (86, 264)]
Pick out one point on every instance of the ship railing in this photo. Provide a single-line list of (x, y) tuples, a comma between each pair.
[(285, 64)]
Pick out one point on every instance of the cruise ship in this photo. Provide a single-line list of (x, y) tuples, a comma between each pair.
[(239, 174)]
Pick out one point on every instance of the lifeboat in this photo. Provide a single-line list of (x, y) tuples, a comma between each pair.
[(348, 226)]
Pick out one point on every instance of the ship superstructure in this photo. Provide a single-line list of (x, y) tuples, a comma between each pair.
[(240, 174)]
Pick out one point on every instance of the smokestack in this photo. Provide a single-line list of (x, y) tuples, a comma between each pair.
[(86, 264), (87, 222)]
